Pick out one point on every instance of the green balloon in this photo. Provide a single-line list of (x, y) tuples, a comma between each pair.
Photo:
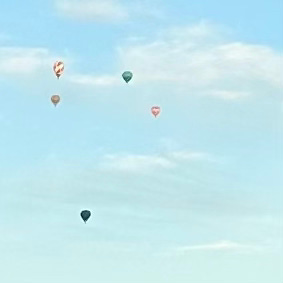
[(85, 214), (127, 76)]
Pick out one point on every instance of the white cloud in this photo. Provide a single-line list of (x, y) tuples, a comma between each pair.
[(95, 80), (219, 246), (185, 155), (24, 61), (145, 163), (191, 56), (228, 95), (136, 163), (199, 59), (109, 10)]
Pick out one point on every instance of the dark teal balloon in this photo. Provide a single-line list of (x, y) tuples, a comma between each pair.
[(85, 214), (127, 76)]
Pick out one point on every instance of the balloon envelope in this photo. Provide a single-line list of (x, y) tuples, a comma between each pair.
[(85, 214), (155, 110), (127, 76), (58, 68), (55, 99)]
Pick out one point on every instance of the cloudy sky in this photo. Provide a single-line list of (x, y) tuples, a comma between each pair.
[(194, 195)]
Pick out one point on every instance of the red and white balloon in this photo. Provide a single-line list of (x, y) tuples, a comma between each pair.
[(58, 68)]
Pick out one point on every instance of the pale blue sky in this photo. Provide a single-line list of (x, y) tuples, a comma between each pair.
[(194, 195)]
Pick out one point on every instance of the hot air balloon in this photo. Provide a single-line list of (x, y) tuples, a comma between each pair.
[(85, 215), (55, 99), (127, 76), (155, 110), (58, 68)]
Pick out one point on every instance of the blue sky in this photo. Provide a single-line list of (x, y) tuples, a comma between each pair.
[(194, 195)]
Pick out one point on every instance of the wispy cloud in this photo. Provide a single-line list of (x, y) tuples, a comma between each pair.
[(135, 163), (95, 80), (186, 155), (97, 10), (109, 10), (201, 60), (228, 94), (24, 61), (220, 246), (196, 57), (145, 163)]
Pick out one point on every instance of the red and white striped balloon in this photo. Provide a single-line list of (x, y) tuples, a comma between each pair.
[(155, 110), (58, 68)]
